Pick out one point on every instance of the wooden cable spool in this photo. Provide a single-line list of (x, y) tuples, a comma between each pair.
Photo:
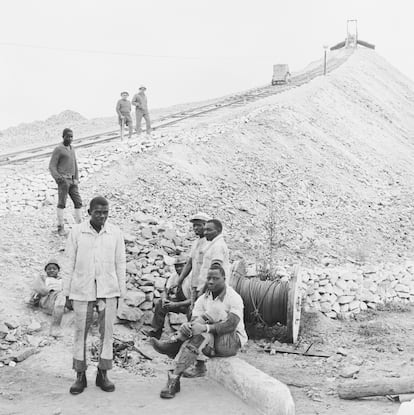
[(270, 302)]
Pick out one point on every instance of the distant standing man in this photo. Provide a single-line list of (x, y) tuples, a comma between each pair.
[(195, 261), (141, 110), (123, 109), (64, 169), (96, 279)]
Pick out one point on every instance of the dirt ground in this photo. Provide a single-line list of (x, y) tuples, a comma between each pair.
[(40, 384), (380, 343)]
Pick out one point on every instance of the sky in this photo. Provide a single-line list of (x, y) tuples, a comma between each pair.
[(80, 54)]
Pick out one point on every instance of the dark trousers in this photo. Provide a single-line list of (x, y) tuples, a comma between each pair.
[(65, 188), (160, 312), (206, 344)]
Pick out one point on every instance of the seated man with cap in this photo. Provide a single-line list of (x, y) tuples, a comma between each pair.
[(175, 298), (216, 329)]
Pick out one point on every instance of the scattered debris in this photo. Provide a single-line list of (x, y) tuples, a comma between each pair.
[(349, 371)]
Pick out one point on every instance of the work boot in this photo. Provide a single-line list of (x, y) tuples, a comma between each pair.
[(80, 384), (172, 387), (61, 230), (197, 371), (103, 382), (170, 347), (153, 333)]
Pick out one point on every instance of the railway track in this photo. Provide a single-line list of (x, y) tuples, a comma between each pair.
[(171, 119)]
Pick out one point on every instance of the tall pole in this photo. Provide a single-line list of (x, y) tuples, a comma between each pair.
[(325, 47)]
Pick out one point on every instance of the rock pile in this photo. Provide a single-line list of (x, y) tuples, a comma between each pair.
[(345, 291), (151, 255), (18, 342), (50, 130)]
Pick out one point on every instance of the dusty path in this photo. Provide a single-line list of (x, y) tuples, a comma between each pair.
[(40, 386)]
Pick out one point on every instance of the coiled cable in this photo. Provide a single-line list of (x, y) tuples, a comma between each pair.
[(264, 301)]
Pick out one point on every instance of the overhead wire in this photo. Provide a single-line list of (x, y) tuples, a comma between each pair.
[(131, 54)]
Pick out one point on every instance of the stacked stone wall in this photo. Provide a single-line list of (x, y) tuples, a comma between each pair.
[(344, 291)]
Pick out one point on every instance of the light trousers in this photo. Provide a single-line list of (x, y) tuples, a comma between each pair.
[(107, 308)]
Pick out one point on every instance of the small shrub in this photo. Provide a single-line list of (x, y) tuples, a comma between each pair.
[(394, 307), (373, 329)]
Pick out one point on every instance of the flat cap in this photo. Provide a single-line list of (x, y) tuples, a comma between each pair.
[(200, 216), (180, 260)]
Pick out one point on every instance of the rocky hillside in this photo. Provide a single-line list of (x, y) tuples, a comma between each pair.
[(327, 169), (321, 174)]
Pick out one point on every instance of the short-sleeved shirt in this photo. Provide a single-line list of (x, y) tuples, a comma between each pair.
[(196, 255), (215, 249), (228, 302), (123, 107)]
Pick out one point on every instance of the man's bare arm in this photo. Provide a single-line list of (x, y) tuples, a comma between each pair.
[(184, 273), (227, 326)]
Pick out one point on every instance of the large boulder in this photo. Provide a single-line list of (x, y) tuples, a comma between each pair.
[(135, 298), (126, 312)]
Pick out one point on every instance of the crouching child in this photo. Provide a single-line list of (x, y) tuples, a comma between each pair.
[(49, 297), (216, 329)]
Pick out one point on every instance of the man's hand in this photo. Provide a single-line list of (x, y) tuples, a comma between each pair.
[(186, 329), (75, 181), (174, 286), (198, 328), (69, 304), (170, 305)]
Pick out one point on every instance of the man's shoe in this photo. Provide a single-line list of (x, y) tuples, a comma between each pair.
[(61, 230), (153, 333), (197, 371), (172, 387), (80, 384), (170, 348), (103, 382)]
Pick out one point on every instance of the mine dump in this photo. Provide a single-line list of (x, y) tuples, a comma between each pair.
[(247, 254)]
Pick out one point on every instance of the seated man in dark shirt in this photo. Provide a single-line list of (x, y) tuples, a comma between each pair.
[(176, 300)]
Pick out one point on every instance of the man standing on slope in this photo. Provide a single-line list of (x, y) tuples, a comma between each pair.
[(96, 279), (141, 110), (64, 169), (123, 109)]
